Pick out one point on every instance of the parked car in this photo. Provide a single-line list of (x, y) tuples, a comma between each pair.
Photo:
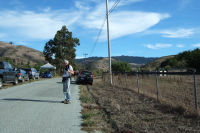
[(22, 75), (47, 74), (8, 74), (85, 77), (32, 72)]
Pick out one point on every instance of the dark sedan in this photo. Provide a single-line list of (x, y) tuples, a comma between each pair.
[(85, 77)]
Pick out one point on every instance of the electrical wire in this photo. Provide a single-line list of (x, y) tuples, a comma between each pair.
[(113, 7), (98, 35), (110, 11)]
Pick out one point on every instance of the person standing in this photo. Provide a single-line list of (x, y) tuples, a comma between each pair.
[(68, 70)]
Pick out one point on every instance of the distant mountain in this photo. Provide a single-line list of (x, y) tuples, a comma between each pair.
[(102, 62), (20, 54), (128, 59)]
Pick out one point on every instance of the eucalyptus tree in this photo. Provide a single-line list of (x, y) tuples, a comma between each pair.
[(61, 47)]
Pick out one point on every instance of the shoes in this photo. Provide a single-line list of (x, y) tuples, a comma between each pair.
[(65, 102)]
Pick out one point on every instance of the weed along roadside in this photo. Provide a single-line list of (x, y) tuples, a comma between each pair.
[(127, 111), (94, 119)]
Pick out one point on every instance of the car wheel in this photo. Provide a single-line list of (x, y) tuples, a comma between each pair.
[(1, 83), (23, 80), (15, 81)]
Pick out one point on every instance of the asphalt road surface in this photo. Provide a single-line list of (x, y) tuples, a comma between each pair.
[(35, 108)]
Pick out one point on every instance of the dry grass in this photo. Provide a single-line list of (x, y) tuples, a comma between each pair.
[(92, 114), (174, 90), (21, 54), (129, 111)]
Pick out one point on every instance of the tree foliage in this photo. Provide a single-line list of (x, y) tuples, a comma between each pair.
[(121, 67), (61, 47), (191, 58), (188, 59)]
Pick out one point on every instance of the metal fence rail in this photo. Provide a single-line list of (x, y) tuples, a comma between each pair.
[(174, 88)]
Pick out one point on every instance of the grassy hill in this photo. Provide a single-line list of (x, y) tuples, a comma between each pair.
[(20, 55), (156, 63)]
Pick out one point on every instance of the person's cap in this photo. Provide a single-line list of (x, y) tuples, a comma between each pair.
[(66, 61)]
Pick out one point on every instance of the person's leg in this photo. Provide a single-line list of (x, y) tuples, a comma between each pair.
[(65, 90), (68, 95)]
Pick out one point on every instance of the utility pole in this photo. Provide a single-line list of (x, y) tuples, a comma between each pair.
[(107, 16), (84, 60)]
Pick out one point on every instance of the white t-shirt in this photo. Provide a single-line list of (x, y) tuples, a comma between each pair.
[(66, 73)]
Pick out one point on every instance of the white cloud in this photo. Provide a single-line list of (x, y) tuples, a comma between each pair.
[(196, 45), (22, 43), (124, 23), (180, 33), (158, 46), (47, 9), (180, 45), (127, 2), (81, 6), (121, 22), (31, 25)]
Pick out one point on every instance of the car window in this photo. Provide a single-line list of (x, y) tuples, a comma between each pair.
[(22, 71), (1, 65), (9, 66), (86, 73), (46, 72)]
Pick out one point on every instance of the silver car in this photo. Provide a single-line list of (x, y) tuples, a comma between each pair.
[(22, 75), (32, 72)]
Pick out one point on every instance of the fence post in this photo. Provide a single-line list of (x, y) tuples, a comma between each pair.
[(113, 79), (138, 84), (102, 76), (126, 81), (157, 85), (195, 90)]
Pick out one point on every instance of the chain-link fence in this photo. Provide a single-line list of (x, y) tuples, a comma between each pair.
[(175, 89)]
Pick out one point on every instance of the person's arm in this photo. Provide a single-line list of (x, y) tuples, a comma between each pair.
[(70, 70)]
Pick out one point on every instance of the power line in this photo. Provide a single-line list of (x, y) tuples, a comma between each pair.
[(98, 35), (113, 7), (110, 11)]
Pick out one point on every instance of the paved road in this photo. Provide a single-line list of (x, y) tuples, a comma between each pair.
[(35, 108)]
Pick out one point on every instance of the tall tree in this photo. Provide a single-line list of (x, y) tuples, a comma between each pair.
[(60, 48)]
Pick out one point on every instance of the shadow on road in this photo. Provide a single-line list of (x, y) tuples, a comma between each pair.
[(18, 99), (71, 82)]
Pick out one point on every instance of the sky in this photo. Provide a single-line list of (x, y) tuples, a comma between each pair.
[(147, 28)]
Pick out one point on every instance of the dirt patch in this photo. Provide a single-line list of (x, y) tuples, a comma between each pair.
[(129, 112)]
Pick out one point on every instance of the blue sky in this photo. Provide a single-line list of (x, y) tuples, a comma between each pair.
[(147, 28)]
